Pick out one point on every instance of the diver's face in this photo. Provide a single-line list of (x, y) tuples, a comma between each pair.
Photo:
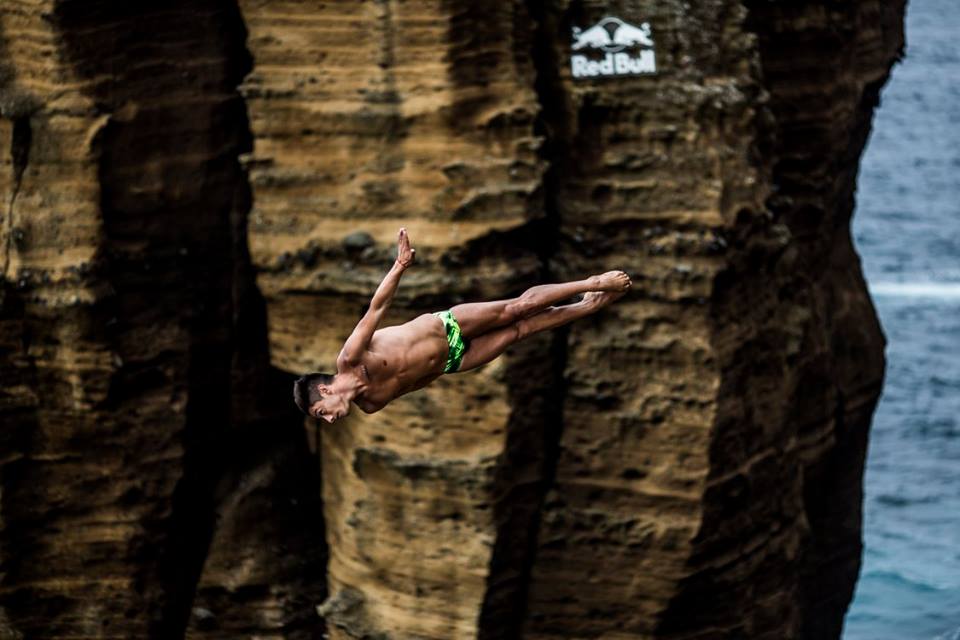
[(331, 407)]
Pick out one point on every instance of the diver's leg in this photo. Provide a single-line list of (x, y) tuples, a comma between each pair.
[(478, 318), (488, 346)]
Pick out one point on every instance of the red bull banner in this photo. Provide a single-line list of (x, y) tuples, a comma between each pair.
[(612, 47)]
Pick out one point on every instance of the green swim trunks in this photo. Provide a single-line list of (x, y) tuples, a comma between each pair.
[(458, 346)]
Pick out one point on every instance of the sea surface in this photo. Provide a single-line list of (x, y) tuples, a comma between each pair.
[(907, 230)]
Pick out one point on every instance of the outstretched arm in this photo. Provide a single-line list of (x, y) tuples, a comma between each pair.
[(358, 341)]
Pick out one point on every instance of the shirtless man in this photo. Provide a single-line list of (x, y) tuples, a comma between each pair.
[(377, 365)]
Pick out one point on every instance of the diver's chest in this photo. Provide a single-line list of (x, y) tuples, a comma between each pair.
[(369, 405)]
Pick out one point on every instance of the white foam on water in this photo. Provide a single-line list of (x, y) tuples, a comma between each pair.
[(939, 290), (950, 635)]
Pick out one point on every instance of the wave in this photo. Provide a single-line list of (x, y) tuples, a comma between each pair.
[(891, 500), (896, 579), (950, 635), (939, 290)]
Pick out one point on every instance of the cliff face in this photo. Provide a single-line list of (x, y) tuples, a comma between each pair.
[(141, 431), (198, 199)]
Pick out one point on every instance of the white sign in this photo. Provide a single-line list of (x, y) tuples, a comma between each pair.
[(628, 50)]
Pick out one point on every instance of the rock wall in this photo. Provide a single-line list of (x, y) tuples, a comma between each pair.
[(140, 426), (198, 200)]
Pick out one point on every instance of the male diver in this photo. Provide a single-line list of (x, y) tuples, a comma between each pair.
[(377, 365)]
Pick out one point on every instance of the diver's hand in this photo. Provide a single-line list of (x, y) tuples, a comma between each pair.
[(405, 255)]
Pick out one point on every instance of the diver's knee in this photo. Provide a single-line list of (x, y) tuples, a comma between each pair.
[(522, 328), (515, 310), (529, 302)]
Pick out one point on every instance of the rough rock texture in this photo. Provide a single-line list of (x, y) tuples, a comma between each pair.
[(135, 377), (199, 197)]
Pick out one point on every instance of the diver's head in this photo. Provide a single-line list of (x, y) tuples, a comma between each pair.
[(319, 396)]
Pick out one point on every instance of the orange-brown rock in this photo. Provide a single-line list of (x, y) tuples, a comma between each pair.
[(198, 199)]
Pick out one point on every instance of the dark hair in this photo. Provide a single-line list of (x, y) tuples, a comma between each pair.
[(305, 389)]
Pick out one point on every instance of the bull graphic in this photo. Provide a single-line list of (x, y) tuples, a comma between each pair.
[(612, 34), (596, 37)]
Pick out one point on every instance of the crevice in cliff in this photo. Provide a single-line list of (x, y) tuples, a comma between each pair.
[(537, 384), (20, 150), (20, 142), (266, 434)]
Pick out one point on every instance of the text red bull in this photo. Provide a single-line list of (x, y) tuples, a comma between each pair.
[(627, 49), (614, 64)]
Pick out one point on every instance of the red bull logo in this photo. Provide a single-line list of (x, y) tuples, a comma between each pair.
[(627, 49)]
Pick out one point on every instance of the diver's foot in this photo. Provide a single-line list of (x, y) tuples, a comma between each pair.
[(598, 299), (611, 281)]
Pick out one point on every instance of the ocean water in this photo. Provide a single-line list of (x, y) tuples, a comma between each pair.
[(907, 230)]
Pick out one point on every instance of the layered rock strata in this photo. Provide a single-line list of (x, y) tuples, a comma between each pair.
[(134, 366), (199, 199)]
